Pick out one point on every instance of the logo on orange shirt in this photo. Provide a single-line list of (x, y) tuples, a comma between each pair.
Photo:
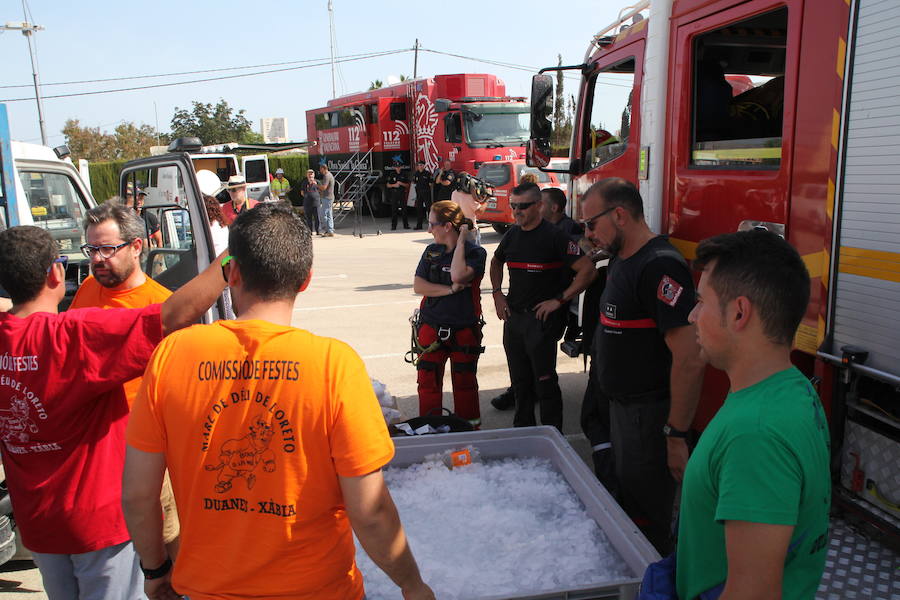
[(240, 457)]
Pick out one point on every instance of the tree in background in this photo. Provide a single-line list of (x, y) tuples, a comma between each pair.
[(562, 116), (217, 124), (376, 85), (127, 142)]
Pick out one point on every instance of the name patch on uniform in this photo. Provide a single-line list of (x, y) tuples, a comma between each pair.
[(669, 290)]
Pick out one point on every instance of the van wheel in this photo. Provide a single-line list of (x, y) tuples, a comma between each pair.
[(500, 228)]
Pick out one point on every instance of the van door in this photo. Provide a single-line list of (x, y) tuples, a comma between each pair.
[(178, 241), (256, 171)]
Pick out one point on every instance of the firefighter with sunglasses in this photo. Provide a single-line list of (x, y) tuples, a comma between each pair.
[(541, 260), (449, 319)]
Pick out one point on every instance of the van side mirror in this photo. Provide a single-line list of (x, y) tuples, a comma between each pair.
[(441, 105), (538, 150)]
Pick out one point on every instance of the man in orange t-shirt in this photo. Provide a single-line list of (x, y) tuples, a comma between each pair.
[(274, 441), (114, 242)]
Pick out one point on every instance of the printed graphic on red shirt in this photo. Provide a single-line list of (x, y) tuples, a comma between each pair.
[(669, 290), (15, 423)]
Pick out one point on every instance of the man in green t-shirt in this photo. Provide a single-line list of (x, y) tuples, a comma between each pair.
[(757, 490)]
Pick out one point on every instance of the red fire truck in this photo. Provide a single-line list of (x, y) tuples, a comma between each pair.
[(783, 114), (464, 118)]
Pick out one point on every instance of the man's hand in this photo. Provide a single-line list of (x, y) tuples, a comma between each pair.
[(501, 306), (543, 309), (677, 453), (161, 588), (420, 592), (457, 287)]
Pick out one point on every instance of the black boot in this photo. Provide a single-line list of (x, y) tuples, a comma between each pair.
[(504, 401)]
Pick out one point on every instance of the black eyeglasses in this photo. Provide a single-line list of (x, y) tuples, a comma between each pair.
[(105, 251), (521, 205), (63, 260), (589, 223)]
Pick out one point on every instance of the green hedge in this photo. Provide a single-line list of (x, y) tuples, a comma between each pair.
[(105, 175), (105, 179)]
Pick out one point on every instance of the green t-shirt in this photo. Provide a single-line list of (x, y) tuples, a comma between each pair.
[(763, 459)]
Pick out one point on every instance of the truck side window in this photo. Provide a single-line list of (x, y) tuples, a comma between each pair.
[(606, 133), (57, 206), (738, 93), (373, 113), (398, 111), (453, 128)]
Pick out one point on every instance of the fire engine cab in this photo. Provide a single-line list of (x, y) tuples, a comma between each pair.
[(464, 118), (782, 114)]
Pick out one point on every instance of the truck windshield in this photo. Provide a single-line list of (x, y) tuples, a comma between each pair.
[(497, 129), (57, 206)]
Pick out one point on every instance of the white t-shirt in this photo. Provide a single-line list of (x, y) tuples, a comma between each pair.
[(219, 237)]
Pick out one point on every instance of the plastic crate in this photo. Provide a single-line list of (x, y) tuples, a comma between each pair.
[(548, 443)]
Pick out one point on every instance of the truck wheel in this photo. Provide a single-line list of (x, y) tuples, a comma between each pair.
[(500, 228)]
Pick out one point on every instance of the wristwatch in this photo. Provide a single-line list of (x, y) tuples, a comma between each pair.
[(670, 431), (159, 571)]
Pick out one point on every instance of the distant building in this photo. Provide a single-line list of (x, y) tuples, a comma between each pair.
[(274, 130)]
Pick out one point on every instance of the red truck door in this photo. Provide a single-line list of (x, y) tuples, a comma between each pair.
[(608, 140)]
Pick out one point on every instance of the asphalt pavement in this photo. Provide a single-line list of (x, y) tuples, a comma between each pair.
[(361, 293)]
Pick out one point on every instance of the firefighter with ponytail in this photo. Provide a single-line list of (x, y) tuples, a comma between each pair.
[(449, 324)]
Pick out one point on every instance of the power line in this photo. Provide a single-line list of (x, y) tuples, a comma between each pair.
[(198, 72), (224, 77)]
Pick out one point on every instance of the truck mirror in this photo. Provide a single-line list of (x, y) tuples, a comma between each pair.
[(541, 115), (441, 105), (537, 152)]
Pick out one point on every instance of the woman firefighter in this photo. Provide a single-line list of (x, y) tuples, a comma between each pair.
[(449, 326)]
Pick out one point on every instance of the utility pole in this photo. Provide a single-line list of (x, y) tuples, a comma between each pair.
[(331, 43), (28, 30), (416, 58)]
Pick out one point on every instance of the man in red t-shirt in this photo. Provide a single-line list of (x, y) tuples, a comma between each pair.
[(63, 413), (239, 203)]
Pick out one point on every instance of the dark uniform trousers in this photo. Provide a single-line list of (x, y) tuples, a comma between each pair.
[(530, 346), (398, 207), (462, 348), (646, 487)]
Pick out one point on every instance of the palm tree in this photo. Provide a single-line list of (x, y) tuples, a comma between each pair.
[(377, 84)]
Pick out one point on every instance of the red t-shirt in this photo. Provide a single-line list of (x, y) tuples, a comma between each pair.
[(229, 213), (62, 421)]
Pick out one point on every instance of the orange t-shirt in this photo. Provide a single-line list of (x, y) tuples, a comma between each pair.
[(91, 294), (257, 421)]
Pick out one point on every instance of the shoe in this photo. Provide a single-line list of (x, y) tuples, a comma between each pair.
[(328, 234), (393, 229), (418, 227), (504, 401), (406, 227)]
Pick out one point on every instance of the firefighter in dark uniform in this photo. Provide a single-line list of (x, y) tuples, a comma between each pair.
[(540, 259), (443, 182), (647, 360), (449, 276), (398, 185), (422, 180)]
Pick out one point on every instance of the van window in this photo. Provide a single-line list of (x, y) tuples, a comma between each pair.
[(609, 126), (497, 174), (56, 205), (171, 257), (373, 113), (738, 93)]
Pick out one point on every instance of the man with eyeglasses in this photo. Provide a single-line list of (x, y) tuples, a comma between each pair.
[(540, 259), (114, 246), (647, 362), (64, 372)]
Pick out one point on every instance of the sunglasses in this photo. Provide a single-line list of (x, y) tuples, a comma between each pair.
[(435, 225), (521, 205), (105, 251), (225, 262), (63, 260), (589, 223)]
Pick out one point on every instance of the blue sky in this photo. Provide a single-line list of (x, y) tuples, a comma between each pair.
[(96, 40)]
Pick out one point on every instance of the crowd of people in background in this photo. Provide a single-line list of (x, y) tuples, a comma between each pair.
[(231, 452)]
